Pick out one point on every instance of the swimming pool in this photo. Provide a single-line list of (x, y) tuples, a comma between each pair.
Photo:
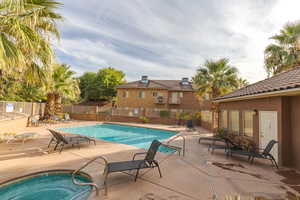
[(46, 186), (130, 135)]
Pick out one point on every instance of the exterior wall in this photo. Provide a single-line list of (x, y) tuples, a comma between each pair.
[(188, 101), (133, 100), (264, 104), (295, 131)]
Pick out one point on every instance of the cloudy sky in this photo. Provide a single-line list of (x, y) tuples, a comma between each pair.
[(169, 39)]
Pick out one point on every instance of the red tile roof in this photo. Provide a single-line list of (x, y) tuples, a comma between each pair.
[(174, 85), (281, 82)]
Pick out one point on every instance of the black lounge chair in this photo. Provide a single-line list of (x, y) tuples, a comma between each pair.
[(214, 138), (61, 140), (257, 153), (147, 162), (223, 143)]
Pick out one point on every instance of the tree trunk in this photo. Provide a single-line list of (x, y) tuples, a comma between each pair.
[(58, 106), (50, 106)]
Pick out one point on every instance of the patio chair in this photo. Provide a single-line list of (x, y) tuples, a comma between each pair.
[(258, 153), (61, 140), (148, 162), (67, 117)]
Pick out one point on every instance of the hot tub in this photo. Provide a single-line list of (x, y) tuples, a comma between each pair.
[(46, 185)]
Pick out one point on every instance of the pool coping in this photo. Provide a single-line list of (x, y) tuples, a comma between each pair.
[(176, 133), (44, 172)]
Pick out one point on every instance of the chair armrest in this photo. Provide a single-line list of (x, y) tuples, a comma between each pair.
[(142, 153)]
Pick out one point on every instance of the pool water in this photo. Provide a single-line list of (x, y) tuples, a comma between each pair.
[(46, 187), (130, 135)]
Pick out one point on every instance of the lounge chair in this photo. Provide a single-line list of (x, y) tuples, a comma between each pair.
[(258, 153), (224, 143), (61, 140), (148, 162), (11, 138), (214, 138)]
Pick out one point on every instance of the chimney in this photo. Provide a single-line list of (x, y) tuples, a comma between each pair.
[(185, 81), (144, 79)]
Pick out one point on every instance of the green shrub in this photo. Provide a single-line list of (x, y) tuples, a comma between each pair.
[(144, 119), (164, 113)]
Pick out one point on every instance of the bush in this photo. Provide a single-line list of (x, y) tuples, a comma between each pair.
[(164, 113), (144, 119)]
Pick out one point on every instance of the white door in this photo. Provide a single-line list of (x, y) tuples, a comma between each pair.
[(268, 130)]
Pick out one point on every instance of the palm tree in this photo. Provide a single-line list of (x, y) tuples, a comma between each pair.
[(26, 27), (216, 78), (60, 84), (285, 53)]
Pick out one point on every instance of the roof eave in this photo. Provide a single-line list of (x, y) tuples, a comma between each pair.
[(286, 92)]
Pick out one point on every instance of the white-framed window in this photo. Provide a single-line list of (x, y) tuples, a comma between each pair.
[(224, 119), (126, 94), (181, 94), (155, 94), (234, 121), (248, 123), (141, 94)]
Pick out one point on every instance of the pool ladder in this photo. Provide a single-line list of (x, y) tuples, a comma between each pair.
[(97, 188)]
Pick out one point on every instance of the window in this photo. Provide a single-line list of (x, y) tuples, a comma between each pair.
[(154, 94), (206, 116), (248, 123), (224, 121), (181, 94), (234, 122), (142, 94), (125, 94)]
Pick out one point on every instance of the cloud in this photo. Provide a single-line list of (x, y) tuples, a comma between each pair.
[(167, 39)]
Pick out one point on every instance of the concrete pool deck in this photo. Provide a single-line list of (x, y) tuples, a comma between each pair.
[(197, 175)]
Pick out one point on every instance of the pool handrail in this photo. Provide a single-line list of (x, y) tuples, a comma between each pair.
[(90, 184)]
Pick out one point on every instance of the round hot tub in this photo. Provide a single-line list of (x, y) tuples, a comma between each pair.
[(46, 185)]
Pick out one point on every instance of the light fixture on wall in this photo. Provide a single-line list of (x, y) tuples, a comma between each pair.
[(255, 112)]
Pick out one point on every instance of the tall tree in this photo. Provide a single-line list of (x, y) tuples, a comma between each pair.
[(101, 85), (216, 78), (284, 54), (60, 84), (26, 27)]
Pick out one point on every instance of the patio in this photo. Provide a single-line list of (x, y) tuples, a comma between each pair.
[(197, 175)]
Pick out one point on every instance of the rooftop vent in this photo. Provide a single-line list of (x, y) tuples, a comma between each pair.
[(185, 81), (144, 79)]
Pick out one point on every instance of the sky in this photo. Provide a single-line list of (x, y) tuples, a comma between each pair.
[(170, 39)]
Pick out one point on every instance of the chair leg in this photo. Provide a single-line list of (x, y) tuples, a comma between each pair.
[(136, 175), (105, 182), (160, 175), (61, 148), (50, 142), (56, 145), (273, 161)]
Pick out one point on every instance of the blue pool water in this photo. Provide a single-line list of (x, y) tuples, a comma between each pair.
[(135, 136), (46, 187)]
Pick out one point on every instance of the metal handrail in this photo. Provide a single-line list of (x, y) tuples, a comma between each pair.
[(183, 137), (90, 184), (183, 145)]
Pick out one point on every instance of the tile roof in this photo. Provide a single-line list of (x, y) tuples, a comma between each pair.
[(174, 85), (284, 81)]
